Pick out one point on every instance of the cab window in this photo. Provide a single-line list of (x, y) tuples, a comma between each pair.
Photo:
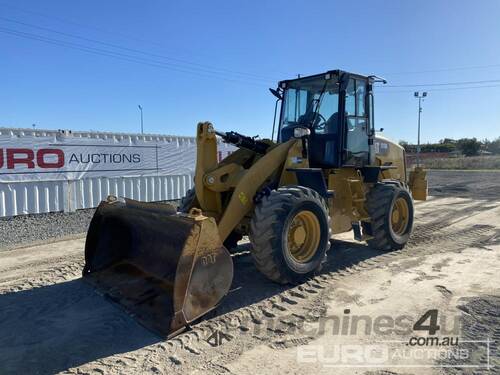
[(357, 149), (355, 98), (350, 99), (360, 98)]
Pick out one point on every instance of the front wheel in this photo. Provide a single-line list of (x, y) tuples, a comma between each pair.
[(390, 207), (290, 233)]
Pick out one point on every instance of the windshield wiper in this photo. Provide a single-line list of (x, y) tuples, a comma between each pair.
[(316, 110)]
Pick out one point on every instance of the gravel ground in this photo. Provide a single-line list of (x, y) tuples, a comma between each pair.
[(464, 184), (26, 230), (29, 229)]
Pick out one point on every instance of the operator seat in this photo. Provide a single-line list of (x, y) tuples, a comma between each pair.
[(323, 146)]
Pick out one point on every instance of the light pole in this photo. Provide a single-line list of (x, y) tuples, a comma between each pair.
[(142, 120), (420, 99)]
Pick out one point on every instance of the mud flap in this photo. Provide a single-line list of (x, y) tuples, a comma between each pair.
[(165, 268)]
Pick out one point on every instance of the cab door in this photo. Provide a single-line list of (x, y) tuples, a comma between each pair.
[(356, 151)]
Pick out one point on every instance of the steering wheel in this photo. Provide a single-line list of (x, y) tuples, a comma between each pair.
[(321, 123)]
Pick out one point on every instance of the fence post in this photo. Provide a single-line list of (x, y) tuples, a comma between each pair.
[(68, 201)]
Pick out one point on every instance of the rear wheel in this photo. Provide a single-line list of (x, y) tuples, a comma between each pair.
[(290, 233), (391, 211)]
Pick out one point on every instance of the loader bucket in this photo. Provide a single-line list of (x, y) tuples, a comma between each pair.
[(165, 268)]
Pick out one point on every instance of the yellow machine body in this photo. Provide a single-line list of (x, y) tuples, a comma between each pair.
[(169, 268), (418, 184)]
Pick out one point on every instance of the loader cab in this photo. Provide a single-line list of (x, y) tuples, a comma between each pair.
[(335, 107)]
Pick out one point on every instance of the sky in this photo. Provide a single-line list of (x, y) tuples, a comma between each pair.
[(87, 65)]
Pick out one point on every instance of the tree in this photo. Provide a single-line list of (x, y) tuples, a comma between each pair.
[(469, 146), (492, 146), (447, 141), (404, 144), (445, 147), (407, 146)]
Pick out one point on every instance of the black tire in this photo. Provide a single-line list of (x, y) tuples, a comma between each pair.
[(189, 201), (380, 204), (231, 242), (269, 228)]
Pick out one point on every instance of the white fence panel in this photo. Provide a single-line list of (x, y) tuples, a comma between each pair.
[(48, 171), (89, 192), (20, 198), (35, 197)]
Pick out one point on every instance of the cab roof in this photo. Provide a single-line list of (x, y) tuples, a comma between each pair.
[(336, 72)]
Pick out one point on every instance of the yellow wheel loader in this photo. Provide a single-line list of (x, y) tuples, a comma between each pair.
[(327, 172)]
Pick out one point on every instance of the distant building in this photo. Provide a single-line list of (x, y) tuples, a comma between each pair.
[(484, 152)]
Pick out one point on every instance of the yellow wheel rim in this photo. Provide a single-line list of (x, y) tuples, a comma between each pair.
[(400, 216), (303, 236)]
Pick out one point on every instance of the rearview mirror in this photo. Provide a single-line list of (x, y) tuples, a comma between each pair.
[(276, 93), (301, 132)]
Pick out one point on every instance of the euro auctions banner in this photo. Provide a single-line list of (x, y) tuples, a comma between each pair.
[(56, 155)]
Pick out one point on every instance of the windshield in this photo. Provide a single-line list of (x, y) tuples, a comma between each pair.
[(311, 102)]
